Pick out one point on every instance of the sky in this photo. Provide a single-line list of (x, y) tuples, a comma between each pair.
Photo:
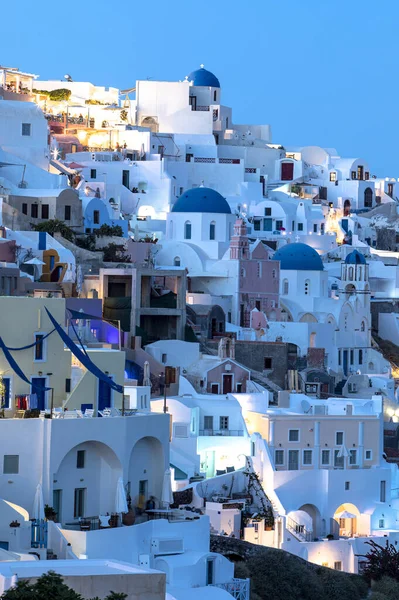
[(321, 72)]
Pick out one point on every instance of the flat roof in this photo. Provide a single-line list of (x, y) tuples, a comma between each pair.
[(30, 569)]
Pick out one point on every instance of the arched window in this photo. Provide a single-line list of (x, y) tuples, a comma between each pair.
[(307, 287), (363, 326), (215, 96), (212, 230), (368, 197), (187, 230), (171, 230), (285, 287), (176, 261)]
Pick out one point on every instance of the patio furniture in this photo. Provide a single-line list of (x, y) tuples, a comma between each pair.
[(105, 413), (89, 413), (84, 524), (114, 520), (57, 413), (70, 414), (105, 521)]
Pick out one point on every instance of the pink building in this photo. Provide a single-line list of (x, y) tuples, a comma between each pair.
[(259, 276)]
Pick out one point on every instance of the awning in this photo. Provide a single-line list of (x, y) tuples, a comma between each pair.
[(61, 167), (76, 314)]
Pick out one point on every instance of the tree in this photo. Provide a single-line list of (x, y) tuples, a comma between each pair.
[(381, 561), (114, 253), (53, 226), (105, 229)]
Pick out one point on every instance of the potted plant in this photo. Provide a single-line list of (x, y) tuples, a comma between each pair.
[(49, 513), (15, 524)]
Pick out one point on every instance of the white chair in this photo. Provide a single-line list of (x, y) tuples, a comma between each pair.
[(105, 413), (89, 413), (104, 521), (79, 413), (57, 413), (115, 412), (70, 414)]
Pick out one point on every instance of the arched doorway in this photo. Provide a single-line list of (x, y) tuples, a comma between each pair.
[(314, 514), (368, 197), (347, 516), (151, 123), (85, 482), (146, 471), (347, 208)]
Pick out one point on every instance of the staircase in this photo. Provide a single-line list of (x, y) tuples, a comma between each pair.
[(265, 382), (299, 531)]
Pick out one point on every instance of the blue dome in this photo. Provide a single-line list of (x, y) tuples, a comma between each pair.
[(202, 200), (355, 258), (298, 257), (202, 77)]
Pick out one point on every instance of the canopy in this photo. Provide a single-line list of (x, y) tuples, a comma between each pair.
[(82, 357), (15, 367), (343, 452), (38, 504), (34, 261), (345, 515), (76, 314), (120, 498)]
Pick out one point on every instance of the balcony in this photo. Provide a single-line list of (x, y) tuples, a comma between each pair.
[(238, 588), (222, 432)]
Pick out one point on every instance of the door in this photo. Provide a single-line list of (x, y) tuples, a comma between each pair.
[(193, 102), (345, 354), (104, 395), (125, 178), (267, 224), (57, 505), (293, 460), (210, 463), (287, 171), (227, 383), (79, 502), (143, 492), (210, 571), (38, 385)]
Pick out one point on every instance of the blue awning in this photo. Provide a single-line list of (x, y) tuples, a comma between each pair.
[(15, 367)]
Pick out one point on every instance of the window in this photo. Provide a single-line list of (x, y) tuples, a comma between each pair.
[(363, 326), (353, 457), (368, 455), (187, 230), (223, 422), (368, 197), (214, 388), (300, 226), (353, 174), (360, 357), (34, 211), (338, 460), (80, 459), (267, 362), (307, 457), (339, 438), (333, 176), (285, 287), (176, 261), (214, 96), (79, 502), (96, 217), (381, 523), (212, 230), (347, 485), (279, 225), (93, 173), (325, 457), (208, 423), (268, 212), (338, 565), (258, 304), (11, 464), (67, 212), (339, 357), (278, 457), (383, 485), (352, 356), (239, 388), (45, 211), (24, 208), (39, 347), (67, 386), (293, 435), (26, 129), (314, 227), (256, 225)]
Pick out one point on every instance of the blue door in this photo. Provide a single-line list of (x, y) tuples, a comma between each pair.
[(38, 385), (345, 362), (104, 395)]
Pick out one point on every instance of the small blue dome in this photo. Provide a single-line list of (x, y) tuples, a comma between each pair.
[(202, 77), (298, 257), (202, 200), (355, 258)]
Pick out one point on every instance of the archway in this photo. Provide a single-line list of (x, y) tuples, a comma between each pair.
[(151, 123), (347, 208), (146, 471), (347, 516), (350, 290), (315, 515), (368, 197), (308, 318), (85, 481)]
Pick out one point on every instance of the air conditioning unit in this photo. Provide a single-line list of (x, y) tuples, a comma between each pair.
[(167, 546), (180, 430)]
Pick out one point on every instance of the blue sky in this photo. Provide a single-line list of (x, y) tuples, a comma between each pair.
[(321, 72)]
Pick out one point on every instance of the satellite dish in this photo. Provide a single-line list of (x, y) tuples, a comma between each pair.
[(68, 77), (305, 406)]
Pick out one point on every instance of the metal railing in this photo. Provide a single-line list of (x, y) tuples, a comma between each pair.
[(299, 530), (222, 432), (238, 588)]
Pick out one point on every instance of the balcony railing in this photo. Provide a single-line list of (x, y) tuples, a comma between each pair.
[(238, 588), (222, 432)]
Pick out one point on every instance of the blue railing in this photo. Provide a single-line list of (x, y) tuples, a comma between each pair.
[(39, 533)]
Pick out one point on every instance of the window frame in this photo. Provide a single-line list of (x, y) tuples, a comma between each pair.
[(371, 454), (80, 459), (327, 464), (307, 464), (299, 436), (8, 471), (279, 464), (336, 438), (24, 127), (43, 345)]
